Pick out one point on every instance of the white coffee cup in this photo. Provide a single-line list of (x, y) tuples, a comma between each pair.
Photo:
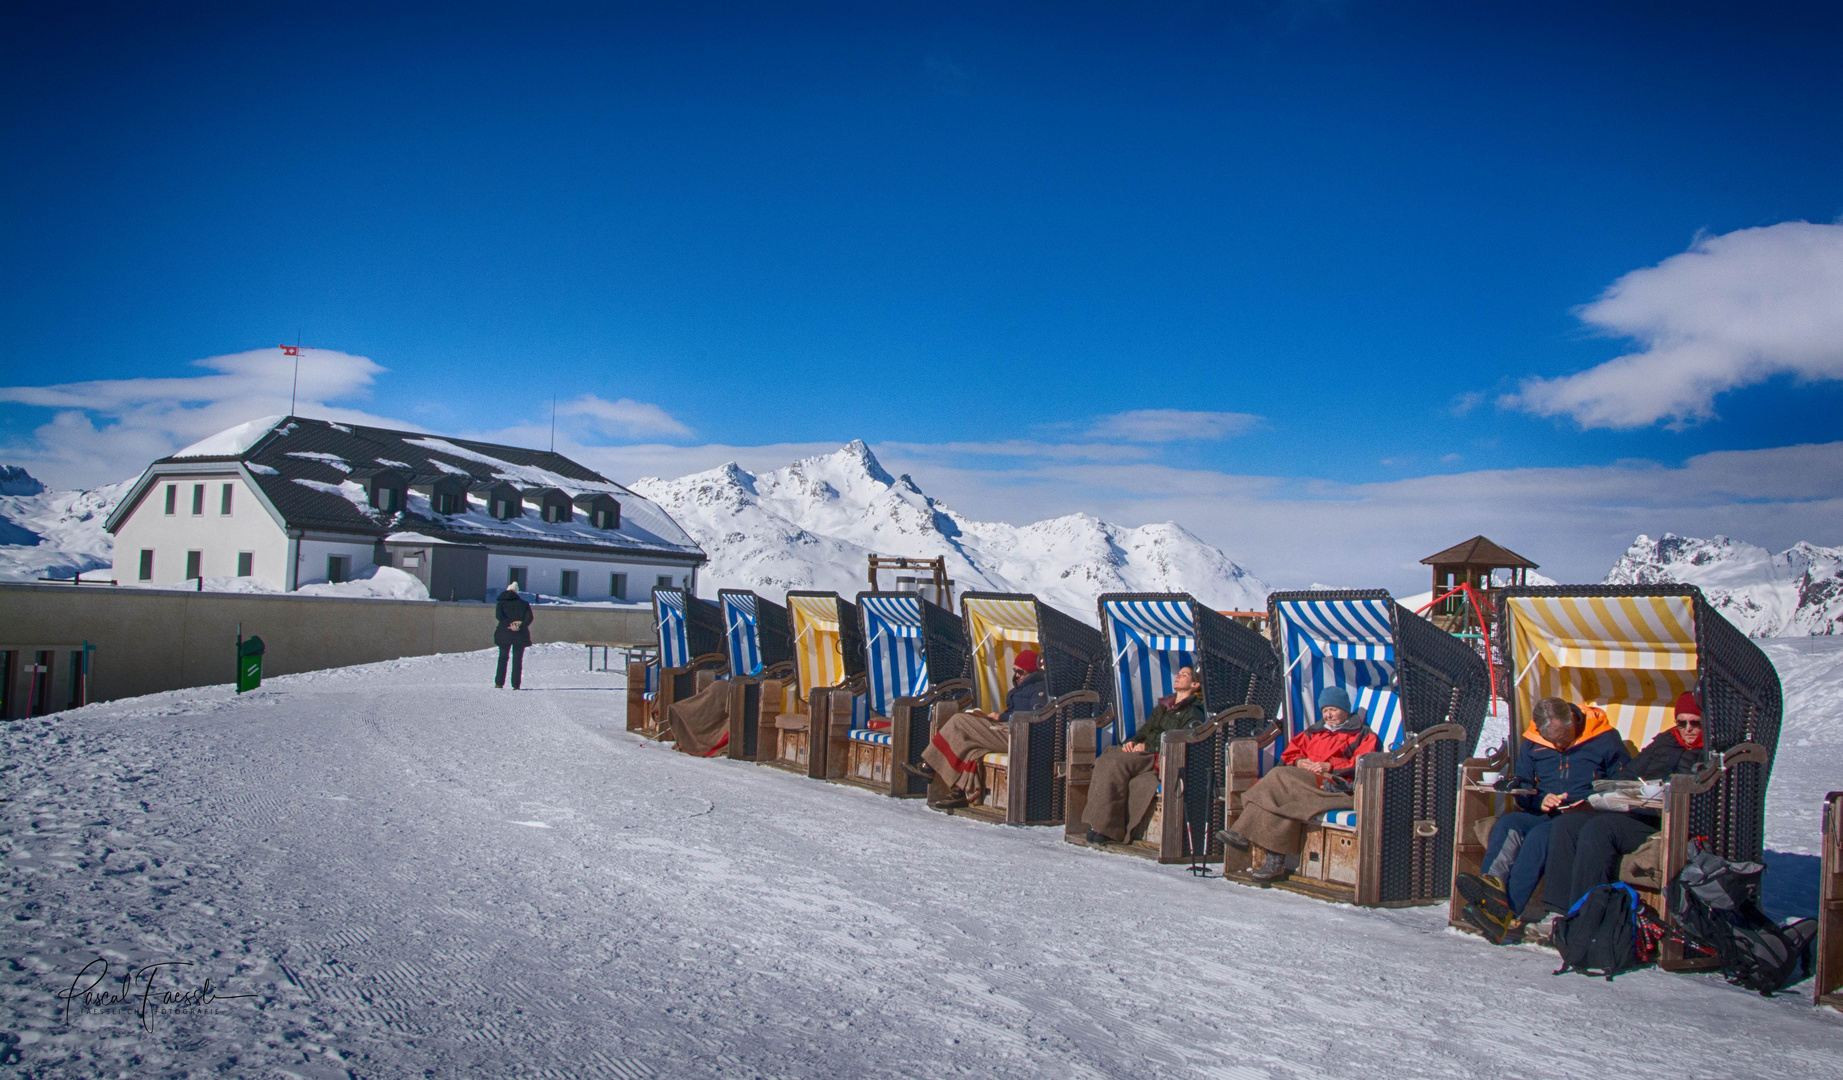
[(1490, 777)]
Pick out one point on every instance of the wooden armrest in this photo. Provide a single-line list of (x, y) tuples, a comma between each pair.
[(1239, 712), (1709, 773), (1495, 761), (1054, 709), (782, 670), (1263, 738), (1205, 730), (1411, 749)]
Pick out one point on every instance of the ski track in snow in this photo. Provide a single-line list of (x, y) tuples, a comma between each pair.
[(361, 849)]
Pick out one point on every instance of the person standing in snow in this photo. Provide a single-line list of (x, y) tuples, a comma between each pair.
[(513, 635), (953, 755), (1564, 750), (1314, 776), (1124, 780)]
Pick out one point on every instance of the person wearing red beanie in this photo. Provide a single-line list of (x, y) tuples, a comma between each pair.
[(951, 761)]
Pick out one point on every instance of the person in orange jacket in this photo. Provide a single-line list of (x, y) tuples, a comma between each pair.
[(1563, 751), (1314, 776)]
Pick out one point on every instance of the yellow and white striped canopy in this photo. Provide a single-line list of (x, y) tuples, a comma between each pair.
[(999, 629), (1630, 655), (819, 658)]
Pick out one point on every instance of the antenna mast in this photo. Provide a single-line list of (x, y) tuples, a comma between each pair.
[(294, 351)]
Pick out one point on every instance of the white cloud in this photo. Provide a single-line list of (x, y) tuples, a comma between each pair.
[(1172, 425), (1732, 311), (109, 429), (625, 418)]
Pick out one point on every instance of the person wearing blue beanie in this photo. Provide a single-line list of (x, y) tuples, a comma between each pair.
[(1334, 697)]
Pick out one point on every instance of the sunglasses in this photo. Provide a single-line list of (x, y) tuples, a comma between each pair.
[(1687, 722)]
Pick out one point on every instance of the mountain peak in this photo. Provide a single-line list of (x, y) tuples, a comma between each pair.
[(1765, 594), (16, 481)]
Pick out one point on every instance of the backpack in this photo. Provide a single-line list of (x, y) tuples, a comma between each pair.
[(1717, 906), (1605, 932)]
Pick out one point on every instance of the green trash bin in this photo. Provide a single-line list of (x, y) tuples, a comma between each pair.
[(249, 664)]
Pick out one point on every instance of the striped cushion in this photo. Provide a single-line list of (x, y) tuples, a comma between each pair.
[(880, 738), (1000, 761), (1342, 818)]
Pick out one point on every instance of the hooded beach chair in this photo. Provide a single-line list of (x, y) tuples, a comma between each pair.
[(1025, 785), (1149, 637), (1423, 692), (828, 653), (759, 636), (1632, 650), (1828, 987), (914, 658), (691, 656)]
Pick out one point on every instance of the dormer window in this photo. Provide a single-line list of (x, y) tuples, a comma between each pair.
[(386, 499), (601, 509), (502, 508), (442, 502)]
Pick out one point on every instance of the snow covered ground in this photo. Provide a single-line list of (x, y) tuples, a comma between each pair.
[(415, 874)]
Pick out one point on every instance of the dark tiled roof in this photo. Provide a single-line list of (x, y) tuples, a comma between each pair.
[(300, 464), (1478, 551)]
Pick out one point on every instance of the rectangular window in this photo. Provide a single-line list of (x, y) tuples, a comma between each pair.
[(172, 498), (246, 563), (517, 575), (387, 499), (41, 690), (664, 581), (224, 501), (617, 586), (338, 568), (566, 583), (198, 500), (550, 511), (443, 502), (195, 561), (147, 562), (76, 679)]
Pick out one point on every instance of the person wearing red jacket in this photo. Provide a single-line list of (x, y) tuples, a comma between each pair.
[(1313, 777)]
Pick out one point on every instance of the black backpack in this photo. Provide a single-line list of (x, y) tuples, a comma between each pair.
[(1717, 907), (1600, 934)]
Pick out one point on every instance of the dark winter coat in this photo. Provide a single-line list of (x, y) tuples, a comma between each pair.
[(1027, 696), (1664, 758), (512, 609), (1169, 716), (1598, 754)]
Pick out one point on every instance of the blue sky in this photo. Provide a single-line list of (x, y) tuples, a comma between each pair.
[(1344, 234)]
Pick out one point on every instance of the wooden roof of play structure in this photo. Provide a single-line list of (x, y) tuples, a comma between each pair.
[(1478, 551)]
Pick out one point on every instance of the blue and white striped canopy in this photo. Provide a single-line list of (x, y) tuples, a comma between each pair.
[(897, 662), (739, 631), (1347, 643), (1150, 640), (669, 613)]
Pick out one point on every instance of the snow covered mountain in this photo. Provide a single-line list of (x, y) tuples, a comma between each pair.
[(53, 533), (812, 525), (1798, 591)]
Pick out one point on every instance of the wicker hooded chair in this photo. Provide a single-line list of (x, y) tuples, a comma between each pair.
[(1631, 650), (1149, 637), (691, 656), (828, 656), (1424, 693), (914, 659), (1828, 986), (759, 633), (1025, 785)]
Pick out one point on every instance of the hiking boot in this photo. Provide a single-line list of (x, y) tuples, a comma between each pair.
[(1234, 839), (952, 802), (919, 772), (1488, 893), (1097, 839), (1498, 931), (1542, 932), (1272, 868)]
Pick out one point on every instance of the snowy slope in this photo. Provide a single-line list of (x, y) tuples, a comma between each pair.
[(1798, 591), (813, 524), (416, 875), (54, 533)]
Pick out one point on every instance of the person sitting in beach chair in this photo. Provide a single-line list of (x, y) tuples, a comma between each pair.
[(1125, 778), (1564, 750), (1585, 849), (953, 755), (1314, 777)]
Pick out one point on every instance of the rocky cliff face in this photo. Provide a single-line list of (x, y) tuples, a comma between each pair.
[(53, 533), (1795, 592), (813, 524)]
